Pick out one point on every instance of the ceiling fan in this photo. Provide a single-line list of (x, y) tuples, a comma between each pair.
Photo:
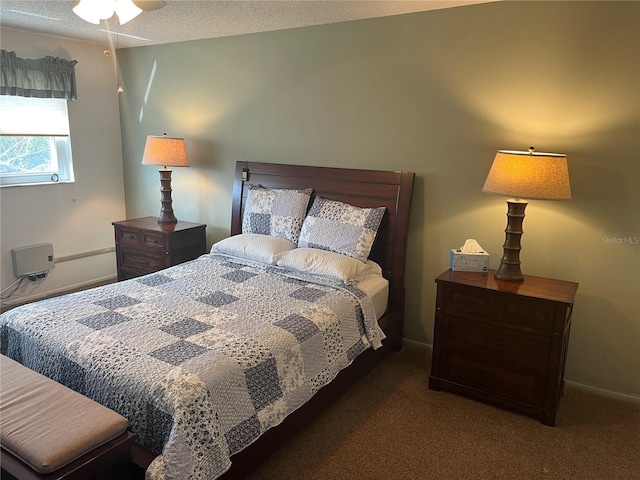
[(147, 5), (94, 11)]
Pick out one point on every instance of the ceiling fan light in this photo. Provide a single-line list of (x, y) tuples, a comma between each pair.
[(84, 11), (126, 10), (94, 10)]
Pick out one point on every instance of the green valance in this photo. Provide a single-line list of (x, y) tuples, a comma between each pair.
[(48, 77)]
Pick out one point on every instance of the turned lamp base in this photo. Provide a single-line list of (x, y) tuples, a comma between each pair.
[(509, 269), (166, 212)]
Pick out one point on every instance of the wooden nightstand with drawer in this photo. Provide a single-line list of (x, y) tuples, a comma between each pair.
[(502, 342), (144, 246)]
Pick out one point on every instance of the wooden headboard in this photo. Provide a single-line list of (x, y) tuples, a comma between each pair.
[(362, 188)]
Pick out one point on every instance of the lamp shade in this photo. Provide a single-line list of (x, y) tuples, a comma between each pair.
[(165, 151), (530, 175)]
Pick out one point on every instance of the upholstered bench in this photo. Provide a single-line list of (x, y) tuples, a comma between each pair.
[(49, 431)]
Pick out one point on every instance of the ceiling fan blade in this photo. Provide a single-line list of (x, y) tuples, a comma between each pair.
[(147, 5)]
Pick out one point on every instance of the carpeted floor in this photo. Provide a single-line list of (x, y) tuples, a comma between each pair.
[(390, 426)]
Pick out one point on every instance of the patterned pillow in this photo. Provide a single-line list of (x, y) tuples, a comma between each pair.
[(341, 228), (275, 212)]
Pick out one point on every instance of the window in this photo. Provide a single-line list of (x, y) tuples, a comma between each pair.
[(35, 145)]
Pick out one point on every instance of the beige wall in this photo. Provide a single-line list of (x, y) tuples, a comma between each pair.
[(76, 218), (436, 93)]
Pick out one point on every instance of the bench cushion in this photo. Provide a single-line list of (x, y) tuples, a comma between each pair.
[(46, 424)]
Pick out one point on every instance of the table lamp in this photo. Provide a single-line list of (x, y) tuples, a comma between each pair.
[(168, 152), (530, 175)]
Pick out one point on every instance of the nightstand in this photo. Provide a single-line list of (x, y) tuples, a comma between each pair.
[(145, 246), (502, 342)]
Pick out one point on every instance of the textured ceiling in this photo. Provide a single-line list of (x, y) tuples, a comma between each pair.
[(182, 20)]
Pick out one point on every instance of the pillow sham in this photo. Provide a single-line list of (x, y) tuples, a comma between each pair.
[(253, 246), (341, 228), (334, 266), (275, 212)]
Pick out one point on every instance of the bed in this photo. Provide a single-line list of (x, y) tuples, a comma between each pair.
[(210, 365)]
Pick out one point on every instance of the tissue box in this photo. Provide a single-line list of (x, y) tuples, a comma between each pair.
[(468, 262)]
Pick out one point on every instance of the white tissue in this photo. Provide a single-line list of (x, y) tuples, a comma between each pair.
[(471, 246)]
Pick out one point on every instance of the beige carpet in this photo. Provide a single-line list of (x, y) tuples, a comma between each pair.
[(390, 426)]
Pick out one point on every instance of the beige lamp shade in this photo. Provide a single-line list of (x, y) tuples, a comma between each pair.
[(531, 174), (165, 151)]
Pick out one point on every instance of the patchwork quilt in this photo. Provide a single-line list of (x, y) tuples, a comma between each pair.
[(202, 357)]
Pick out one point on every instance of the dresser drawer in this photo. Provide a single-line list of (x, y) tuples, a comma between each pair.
[(530, 315), (511, 311), (132, 259), (126, 274), (152, 241), (520, 386), (128, 237), (473, 338), (465, 300)]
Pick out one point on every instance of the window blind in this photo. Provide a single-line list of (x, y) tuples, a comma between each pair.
[(33, 116)]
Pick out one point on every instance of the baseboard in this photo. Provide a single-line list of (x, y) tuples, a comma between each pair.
[(625, 397), (60, 291), (601, 392), (414, 343)]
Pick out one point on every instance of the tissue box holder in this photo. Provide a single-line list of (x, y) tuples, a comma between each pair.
[(468, 262)]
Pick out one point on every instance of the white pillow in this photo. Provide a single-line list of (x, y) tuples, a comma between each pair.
[(334, 266), (254, 246)]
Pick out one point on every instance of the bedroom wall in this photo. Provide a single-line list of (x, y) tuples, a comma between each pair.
[(76, 218), (436, 93)]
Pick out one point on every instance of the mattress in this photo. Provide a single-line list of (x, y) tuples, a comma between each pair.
[(378, 289)]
